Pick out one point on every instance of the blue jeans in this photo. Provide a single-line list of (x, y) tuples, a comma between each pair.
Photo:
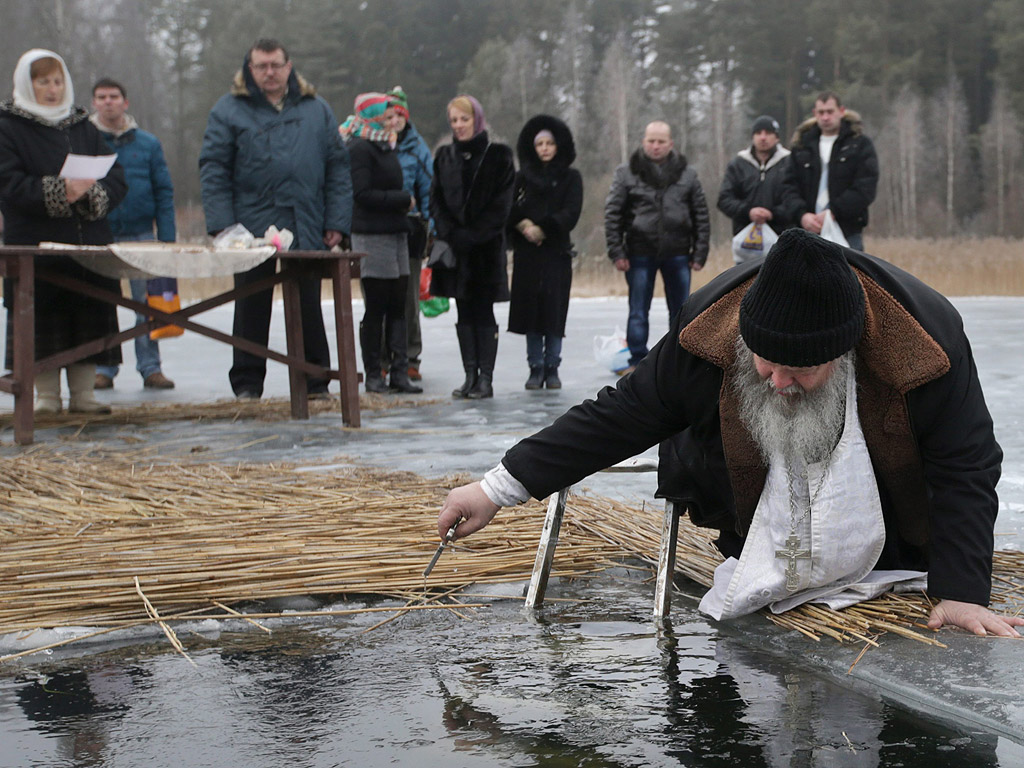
[(147, 352), (543, 350), (856, 241), (675, 272)]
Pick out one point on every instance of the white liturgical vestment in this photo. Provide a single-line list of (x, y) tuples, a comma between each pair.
[(815, 535)]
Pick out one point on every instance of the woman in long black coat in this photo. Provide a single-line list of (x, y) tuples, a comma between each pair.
[(39, 127), (546, 206), (470, 198)]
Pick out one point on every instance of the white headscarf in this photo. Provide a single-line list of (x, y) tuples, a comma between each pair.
[(25, 95)]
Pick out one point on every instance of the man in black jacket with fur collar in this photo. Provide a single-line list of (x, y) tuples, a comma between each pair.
[(821, 409), (834, 167), (655, 219)]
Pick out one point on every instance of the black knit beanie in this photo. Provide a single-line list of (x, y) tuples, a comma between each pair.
[(765, 123), (806, 306)]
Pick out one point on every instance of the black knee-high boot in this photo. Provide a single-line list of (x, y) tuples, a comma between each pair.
[(369, 342), (487, 352), (467, 346)]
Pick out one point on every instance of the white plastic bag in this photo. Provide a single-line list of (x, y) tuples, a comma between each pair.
[(831, 231), (612, 352), (752, 241), (234, 237)]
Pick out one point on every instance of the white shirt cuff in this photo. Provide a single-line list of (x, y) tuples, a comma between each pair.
[(503, 489)]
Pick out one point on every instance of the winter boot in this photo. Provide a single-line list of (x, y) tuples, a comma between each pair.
[(396, 336), (48, 392), (487, 348), (536, 380), (467, 346), (369, 344), (81, 380), (551, 380)]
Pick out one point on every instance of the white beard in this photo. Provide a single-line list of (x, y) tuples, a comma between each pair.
[(804, 427)]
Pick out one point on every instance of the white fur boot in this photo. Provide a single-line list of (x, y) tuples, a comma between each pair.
[(81, 380)]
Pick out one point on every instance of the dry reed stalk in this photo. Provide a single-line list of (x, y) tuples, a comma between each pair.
[(267, 409), (76, 529)]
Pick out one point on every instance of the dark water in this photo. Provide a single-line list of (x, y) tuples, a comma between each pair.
[(582, 684)]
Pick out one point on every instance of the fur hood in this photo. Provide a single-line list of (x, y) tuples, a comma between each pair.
[(566, 154), (851, 123)]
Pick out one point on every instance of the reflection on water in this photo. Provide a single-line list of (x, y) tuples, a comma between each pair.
[(583, 684)]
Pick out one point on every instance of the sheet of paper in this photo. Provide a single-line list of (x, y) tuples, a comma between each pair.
[(87, 166)]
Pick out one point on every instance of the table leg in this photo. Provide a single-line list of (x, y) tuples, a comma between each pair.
[(293, 335), (341, 279), (23, 364)]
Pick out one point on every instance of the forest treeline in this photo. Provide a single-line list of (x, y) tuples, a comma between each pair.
[(939, 84)]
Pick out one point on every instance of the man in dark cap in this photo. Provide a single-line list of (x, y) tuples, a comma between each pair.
[(754, 189), (819, 390)]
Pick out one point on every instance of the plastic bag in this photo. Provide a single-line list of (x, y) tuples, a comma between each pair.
[(752, 241), (235, 236), (831, 231), (434, 306), (425, 274), (612, 352)]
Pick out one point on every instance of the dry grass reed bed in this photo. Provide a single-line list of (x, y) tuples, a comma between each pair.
[(76, 532), (962, 266), (267, 409)]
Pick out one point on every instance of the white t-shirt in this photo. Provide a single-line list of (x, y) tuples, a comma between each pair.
[(825, 144)]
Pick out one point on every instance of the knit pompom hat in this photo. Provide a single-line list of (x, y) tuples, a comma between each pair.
[(398, 100), (806, 306)]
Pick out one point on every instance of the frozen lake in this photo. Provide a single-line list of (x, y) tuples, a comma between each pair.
[(589, 683)]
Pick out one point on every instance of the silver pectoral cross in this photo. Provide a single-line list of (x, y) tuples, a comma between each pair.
[(792, 552)]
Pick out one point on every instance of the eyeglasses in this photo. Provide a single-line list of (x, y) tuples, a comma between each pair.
[(276, 66)]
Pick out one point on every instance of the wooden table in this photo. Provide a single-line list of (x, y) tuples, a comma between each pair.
[(18, 264)]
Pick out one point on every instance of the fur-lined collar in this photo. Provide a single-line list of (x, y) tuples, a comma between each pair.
[(904, 356), (780, 154), (78, 114), (643, 168), (130, 124), (297, 84), (851, 123)]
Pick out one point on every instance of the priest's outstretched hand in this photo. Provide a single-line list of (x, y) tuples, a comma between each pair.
[(468, 502), (974, 618)]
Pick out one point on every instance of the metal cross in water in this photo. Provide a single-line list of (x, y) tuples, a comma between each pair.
[(792, 552)]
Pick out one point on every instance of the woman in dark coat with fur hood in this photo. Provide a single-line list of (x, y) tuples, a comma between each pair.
[(545, 208), (470, 198), (39, 127)]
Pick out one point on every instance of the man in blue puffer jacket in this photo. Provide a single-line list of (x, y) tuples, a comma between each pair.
[(150, 199), (272, 155), (417, 172)]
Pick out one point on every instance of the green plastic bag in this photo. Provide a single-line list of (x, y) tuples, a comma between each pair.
[(434, 306)]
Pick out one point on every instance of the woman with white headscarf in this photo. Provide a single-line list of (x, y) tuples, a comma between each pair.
[(39, 127)]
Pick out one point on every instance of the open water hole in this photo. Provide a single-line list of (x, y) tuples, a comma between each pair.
[(589, 682)]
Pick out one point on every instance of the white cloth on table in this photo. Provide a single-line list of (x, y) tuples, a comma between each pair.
[(152, 259)]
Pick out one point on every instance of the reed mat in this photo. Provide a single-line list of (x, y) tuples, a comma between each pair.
[(101, 539), (267, 409)]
